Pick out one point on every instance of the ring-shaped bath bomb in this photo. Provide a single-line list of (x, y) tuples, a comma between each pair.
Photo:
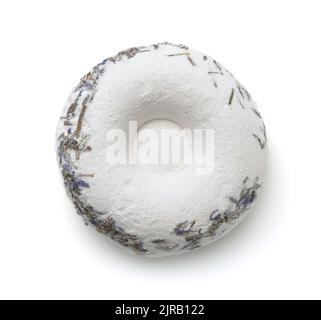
[(159, 210)]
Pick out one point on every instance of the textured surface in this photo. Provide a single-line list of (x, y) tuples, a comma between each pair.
[(151, 214)]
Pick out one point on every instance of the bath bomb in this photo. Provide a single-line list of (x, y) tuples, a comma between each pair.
[(115, 172)]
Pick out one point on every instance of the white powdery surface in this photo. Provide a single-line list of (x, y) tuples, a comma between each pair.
[(153, 212)]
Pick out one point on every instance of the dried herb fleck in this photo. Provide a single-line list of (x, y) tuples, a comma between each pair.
[(191, 61), (231, 97), (259, 140)]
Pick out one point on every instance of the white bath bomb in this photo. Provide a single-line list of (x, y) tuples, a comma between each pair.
[(158, 209)]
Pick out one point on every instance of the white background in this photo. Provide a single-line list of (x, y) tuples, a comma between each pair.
[(273, 47)]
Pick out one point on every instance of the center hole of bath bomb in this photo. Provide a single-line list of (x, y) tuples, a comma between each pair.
[(163, 146)]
